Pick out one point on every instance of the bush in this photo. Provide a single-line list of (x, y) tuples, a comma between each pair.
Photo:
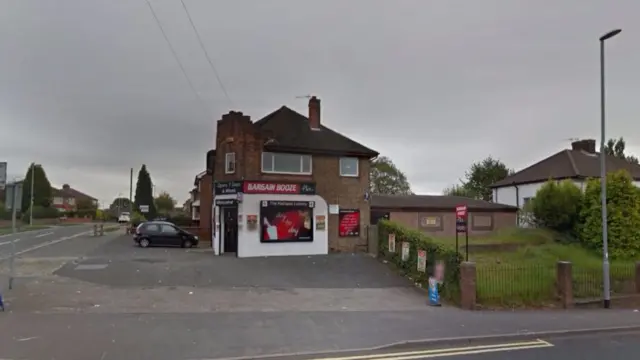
[(41, 212), (137, 218), (557, 206), (450, 287), (180, 220), (623, 207)]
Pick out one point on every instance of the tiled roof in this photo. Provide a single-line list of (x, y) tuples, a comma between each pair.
[(69, 192), (290, 131), (569, 164), (439, 202)]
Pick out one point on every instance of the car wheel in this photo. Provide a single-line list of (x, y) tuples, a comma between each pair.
[(144, 243), (187, 244)]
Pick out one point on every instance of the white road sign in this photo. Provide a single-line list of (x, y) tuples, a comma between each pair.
[(144, 208)]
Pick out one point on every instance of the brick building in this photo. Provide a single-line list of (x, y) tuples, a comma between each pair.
[(290, 169)]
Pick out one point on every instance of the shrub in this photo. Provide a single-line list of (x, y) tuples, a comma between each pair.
[(623, 207), (137, 218), (418, 241), (557, 206), (41, 212), (180, 220)]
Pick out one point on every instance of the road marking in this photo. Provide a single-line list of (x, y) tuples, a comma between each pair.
[(52, 242), (6, 243), (434, 353), (45, 234)]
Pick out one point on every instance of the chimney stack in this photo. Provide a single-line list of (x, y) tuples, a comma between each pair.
[(587, 145), (314, 113)]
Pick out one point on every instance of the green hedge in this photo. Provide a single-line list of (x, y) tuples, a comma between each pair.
[(450, 288)]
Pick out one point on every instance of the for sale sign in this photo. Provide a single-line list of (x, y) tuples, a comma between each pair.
[(461, 218), (392, 243), (405, 251), (422, 261)]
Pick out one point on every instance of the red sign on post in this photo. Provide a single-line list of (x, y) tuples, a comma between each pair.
[(461, 211)]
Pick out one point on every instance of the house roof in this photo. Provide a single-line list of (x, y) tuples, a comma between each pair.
[(434, 202), (70, 192), (290, 131), (568, 164)]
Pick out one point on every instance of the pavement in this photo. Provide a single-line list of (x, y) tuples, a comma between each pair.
[(104, 298)]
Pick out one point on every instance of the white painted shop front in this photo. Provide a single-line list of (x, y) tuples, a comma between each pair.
[(260, 218)]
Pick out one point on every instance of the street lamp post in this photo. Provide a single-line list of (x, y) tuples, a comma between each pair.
[(603, 176)]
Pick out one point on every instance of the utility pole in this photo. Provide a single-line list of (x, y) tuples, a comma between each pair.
[(131, 193), (33, 170)]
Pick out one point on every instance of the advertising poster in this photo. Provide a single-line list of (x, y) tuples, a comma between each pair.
[(405, 251), (392, 243), (349, 222), (434, 296), (422, 261), (286, 221), (321, 222)]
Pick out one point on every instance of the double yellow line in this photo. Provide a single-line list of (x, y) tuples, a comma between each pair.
[(435, 353)]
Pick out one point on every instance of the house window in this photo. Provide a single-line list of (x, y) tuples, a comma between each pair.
[(481, 222), (430, 222), (286, 163), (229, 163), (349, 166)]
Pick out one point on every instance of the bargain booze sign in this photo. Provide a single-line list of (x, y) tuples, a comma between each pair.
[(267, 187)]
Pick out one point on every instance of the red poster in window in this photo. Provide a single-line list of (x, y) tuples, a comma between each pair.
[(349, 222)]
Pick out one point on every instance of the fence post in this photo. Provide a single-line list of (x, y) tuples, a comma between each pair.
[(101, 229), (468, 285), (95, 230), (638, 277), (564, 281)]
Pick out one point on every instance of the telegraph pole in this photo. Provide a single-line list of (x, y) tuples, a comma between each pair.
[(33, 170), (131, 193)]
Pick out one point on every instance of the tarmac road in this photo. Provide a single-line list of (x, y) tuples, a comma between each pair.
[(32, 239), (597, 346)]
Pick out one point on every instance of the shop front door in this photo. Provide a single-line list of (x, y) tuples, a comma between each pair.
[(230, 223)]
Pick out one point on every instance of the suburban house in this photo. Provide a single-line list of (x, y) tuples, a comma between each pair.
[(194, 200), (285, 185), (435, 214), (578, 164), (67, 198)]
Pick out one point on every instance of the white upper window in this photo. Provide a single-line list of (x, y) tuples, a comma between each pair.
[(229, 163), (349, 166), (283, 163)]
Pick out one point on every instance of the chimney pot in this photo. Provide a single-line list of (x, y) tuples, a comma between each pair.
[(587, 145), (314, 112)]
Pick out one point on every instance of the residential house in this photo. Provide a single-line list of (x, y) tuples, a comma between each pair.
[(67, 198), (286, 185), (577, 164), (436, 215), (194, 199)]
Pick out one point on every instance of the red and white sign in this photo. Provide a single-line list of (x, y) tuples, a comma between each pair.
[(258, 187), (461, 211)]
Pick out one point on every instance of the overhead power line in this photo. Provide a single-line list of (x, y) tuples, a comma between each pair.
[(175, 56), (206, 54)]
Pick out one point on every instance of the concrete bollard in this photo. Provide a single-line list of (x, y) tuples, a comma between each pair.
[(101, 230), (95, 230)]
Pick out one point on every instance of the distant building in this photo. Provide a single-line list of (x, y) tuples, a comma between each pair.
[(67, 198)]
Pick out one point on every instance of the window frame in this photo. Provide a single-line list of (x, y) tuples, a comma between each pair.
[(227, 162), (357, 174), (273, 163)]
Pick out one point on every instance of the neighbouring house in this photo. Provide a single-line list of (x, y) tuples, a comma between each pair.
[(194, 200), (285, 185), (435, 214), (577, 164), (67, 198)]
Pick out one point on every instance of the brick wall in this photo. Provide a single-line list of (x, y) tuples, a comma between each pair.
[(446, 221), (236, 133)]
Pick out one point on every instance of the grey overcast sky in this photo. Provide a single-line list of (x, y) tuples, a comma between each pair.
[(90, 88)]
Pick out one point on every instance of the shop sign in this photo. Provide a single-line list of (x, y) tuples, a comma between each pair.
[(226, 202), (267, 187), (349, 222), (227, 187)]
